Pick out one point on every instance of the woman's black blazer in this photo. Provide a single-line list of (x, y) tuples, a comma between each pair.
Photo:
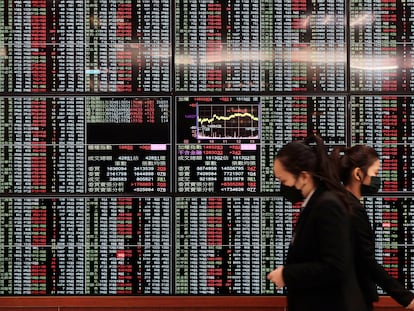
[(319, 272), (369, 272)]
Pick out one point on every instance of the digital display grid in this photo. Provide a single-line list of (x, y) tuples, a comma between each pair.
[(137, 138)]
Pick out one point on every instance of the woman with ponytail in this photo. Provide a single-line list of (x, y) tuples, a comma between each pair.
[(358, 169), (318, 272)]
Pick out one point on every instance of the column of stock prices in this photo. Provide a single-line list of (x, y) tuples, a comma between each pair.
[(85, 46), (137, 138), (292, 45), (381, 49)]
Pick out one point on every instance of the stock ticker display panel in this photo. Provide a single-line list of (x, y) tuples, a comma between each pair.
[(137, 139)]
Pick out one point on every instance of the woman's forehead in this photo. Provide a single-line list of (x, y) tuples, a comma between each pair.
[(375, 166), (280, 171)]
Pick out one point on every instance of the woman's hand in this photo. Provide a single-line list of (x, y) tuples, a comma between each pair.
[(411, 305), (276, 276)]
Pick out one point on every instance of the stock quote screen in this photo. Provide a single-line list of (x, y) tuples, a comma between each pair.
[(137, 138)]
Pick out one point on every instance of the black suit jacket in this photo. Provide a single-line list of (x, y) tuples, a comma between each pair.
[(369, 272), (319, 272)]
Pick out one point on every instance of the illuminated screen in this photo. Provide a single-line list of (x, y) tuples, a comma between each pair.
[(137, 138)]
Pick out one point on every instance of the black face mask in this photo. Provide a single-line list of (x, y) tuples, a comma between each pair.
[(373, 187), (291, 193)]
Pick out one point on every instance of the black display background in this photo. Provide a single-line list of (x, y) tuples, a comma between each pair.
[(106, 189)]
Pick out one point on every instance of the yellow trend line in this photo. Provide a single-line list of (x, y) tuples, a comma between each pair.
[(234, 115)]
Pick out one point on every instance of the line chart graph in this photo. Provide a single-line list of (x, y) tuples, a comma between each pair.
[(235, 121)]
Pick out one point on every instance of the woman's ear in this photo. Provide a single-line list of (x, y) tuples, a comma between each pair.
[(306, 176), (356, 174)]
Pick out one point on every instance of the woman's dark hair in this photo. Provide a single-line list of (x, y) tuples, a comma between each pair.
[(310, 155), (346, 159)]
